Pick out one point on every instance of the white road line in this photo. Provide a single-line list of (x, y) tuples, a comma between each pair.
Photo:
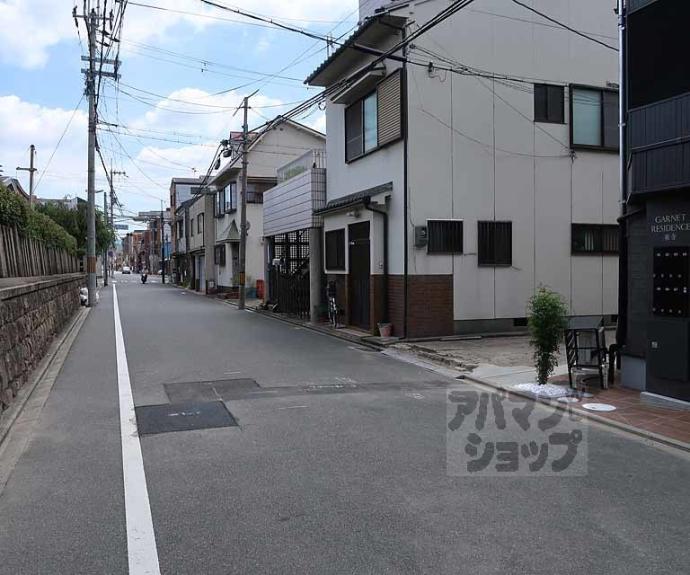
[(142, 553)]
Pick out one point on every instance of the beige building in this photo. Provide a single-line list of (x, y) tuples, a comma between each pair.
[(476, 165)]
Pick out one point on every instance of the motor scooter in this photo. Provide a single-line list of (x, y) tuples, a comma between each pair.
[(144, 276)]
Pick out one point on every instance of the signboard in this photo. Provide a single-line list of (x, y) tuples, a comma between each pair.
[(669, 222), (121, 226)]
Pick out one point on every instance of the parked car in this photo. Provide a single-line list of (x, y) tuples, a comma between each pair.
[(126, 270)]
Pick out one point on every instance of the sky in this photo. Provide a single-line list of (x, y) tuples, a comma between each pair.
[(166, 107)]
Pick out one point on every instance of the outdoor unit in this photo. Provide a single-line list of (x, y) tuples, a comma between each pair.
[(421, 236)]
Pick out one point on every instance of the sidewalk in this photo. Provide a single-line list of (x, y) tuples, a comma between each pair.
[(504, 362)]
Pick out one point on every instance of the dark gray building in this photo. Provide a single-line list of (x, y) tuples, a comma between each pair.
[(655, 261)]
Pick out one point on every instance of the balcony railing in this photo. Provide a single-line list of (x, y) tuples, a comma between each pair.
[(312, 159), (659, 137)]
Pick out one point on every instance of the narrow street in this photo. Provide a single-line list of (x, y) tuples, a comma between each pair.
[(337, 465)]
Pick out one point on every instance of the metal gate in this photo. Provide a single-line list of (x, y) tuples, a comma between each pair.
[(289, 273)]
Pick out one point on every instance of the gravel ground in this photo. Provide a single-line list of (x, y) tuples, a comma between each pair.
[(508, 351)]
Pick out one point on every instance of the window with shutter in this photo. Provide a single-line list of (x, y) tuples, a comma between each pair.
[(390, 109), (374, 120), (495, 243), (444, 237), (549, 104), (594, 239)]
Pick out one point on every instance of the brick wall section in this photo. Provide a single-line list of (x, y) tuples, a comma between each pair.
[(375, 302), (430, 301), (31, 314), (430, 305), (396, 304)]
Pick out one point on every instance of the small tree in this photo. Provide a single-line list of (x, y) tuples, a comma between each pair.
[(547, 321)]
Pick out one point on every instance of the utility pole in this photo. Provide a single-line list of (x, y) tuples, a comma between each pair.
[(243, 208), (105, 250), (31, 170), (162, 247), (113, 173), (92, 27), (91, 18)]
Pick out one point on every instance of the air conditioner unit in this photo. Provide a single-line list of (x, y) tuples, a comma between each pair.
[(421, 237)]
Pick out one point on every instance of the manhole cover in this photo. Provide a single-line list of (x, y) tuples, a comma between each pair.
[(599, 407), (182, 417)]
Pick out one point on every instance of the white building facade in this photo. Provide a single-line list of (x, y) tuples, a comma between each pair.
[(268, 151), (475, 167)]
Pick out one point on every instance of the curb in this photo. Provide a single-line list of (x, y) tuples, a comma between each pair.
[(15, 410), (650, 435), (323, 330)]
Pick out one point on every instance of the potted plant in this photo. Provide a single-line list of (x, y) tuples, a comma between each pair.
[(547, 321)]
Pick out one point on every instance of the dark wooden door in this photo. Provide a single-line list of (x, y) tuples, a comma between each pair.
[(359, 274)]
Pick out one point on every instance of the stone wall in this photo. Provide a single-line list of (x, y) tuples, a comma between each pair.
[(32, 313)]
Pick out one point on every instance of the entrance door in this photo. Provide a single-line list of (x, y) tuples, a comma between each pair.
[(202, 273), (359, 274)]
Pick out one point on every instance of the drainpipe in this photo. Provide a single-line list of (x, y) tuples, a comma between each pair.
[(384, 212), (622, 327), (405, 192)]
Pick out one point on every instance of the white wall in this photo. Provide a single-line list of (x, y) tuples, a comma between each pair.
[(483, 158), (475, 153)]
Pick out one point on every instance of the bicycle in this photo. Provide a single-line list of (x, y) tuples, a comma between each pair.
[(332, 305)]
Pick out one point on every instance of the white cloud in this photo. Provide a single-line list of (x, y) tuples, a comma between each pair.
[(31, 27), (197, 136), (24, 124)]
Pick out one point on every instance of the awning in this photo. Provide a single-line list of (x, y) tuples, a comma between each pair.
[(355, 199)]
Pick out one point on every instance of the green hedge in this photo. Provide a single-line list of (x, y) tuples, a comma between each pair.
[(15, 212)]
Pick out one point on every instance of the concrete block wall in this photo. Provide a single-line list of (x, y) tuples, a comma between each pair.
[(32, 313)]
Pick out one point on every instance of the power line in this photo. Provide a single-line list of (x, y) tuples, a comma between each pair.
[(562, 25), (205, 61), (50, 159)]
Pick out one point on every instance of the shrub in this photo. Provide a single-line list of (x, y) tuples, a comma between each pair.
[(13, 209), (41, 227), (15, 212), (547, 321)]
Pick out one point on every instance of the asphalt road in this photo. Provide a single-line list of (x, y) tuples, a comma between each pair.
[(337, 464)]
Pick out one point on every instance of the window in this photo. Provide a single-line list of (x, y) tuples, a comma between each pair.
[(255, 194), (549, 104), (219, 255), (495, 243), (354, 123), (180, 229), (220, 203), (594, 239), (200, 224), (335, 250), (374, 120), (444, 236), (231, 197), (594, 118), (191, 227), (370, 123)]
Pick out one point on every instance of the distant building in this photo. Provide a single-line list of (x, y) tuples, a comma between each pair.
[(66, 202), (14, 185), (268, 151)]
